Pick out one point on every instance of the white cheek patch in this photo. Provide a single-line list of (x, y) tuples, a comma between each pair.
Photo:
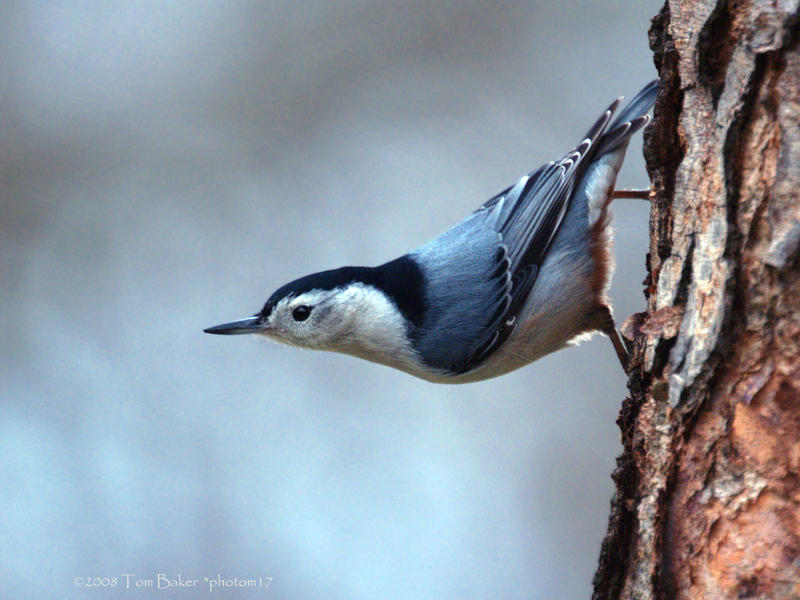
[(380, 328), (357, 319)]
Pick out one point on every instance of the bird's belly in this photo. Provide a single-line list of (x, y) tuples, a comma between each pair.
[(536, 338)]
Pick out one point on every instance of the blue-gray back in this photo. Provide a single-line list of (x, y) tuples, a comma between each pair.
[(479, 273)]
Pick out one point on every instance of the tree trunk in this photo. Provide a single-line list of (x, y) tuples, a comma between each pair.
[(707, 503)]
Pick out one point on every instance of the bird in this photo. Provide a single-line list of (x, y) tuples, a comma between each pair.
[(524, 275)]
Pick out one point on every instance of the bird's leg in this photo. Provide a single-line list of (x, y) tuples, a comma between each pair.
[(637, 194), (610, 329)]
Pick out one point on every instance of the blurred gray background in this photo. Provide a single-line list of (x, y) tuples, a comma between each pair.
[(165, 167)]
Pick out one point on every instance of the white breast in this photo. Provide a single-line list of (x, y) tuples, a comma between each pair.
[(377, 331)]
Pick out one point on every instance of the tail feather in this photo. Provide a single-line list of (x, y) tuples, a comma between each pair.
[(642, 103), (632, 118)]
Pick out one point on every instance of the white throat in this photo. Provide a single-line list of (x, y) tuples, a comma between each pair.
[(377, 330)]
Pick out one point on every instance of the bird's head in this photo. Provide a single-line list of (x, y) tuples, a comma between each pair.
[(339, 310)]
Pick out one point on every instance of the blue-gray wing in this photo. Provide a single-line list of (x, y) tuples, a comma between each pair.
[(479, 273)]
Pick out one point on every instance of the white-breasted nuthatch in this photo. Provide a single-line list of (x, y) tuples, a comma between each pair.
[(519, 278)]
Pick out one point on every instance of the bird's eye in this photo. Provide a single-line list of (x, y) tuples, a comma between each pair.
[(301, 313)]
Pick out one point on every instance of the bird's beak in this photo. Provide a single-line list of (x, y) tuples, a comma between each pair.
[(248, 325)]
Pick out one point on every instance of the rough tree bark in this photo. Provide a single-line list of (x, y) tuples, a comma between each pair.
[(707, 503)]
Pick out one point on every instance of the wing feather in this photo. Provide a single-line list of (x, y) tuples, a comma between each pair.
[(502, 246), (534, 209)]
